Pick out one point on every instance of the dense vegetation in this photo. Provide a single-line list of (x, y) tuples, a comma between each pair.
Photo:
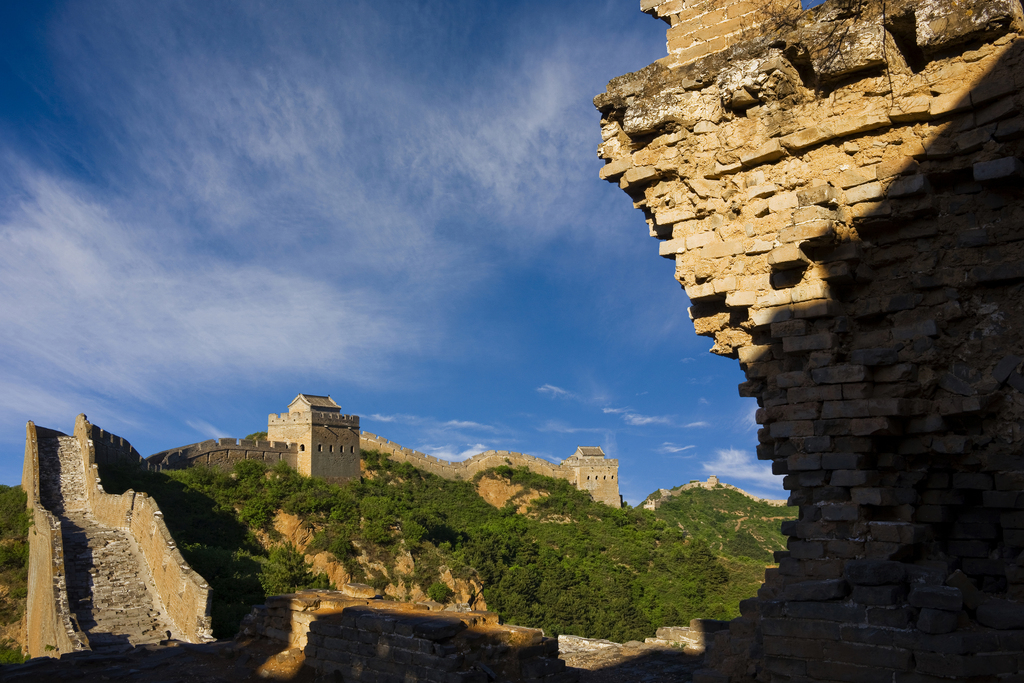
[(742, 532), (14, 524), (569, 566)]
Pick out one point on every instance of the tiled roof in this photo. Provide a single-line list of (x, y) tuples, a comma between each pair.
[(317, 402)]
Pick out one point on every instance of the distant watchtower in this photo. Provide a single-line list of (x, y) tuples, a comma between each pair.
[(328, 441), (595, 473)]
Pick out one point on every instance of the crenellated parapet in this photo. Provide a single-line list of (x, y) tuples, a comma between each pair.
[(841, 191), (317, 417), (224, 453)]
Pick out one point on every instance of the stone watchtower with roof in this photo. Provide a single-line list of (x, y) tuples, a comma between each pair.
[(328, 441), (593, 472)]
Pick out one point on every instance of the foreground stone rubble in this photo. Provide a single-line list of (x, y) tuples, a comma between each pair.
[(840, 190)]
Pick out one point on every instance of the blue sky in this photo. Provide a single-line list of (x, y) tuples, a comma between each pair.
[(206, 209)]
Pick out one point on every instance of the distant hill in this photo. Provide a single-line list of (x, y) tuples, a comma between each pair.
[(741, 529)]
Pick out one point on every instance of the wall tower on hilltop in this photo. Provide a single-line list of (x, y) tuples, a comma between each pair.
[(593, 472), (328, 441)]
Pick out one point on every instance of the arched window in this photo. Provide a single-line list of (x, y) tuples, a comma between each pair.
[(320, 448), (302, 446), (332, 449)]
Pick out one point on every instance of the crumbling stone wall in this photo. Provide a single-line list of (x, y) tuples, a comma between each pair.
[(841, 192), (570, 469), (51, 626), (356, 638)]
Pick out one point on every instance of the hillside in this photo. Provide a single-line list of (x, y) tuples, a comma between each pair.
[(568, 565), (742, 532), (14, 525)]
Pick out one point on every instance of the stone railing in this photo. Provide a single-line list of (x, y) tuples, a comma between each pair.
[(184, 593), (50, 625)]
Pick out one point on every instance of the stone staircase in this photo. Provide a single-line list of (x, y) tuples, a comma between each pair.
[(108, 583)]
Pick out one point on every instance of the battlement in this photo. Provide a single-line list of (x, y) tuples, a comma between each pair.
[(319, 417), (223, 453)]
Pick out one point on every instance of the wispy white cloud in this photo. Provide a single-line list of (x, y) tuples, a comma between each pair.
[(555, 392), (747, 421), (699, 423), (207, 429), (93, 300), (669, 447), (565, 428), (452, 453), (636, 419), (733, 465)]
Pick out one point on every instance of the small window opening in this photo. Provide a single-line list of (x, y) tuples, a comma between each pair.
[(302, 446)]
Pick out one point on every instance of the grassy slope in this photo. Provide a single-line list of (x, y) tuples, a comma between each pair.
[(742, 532)]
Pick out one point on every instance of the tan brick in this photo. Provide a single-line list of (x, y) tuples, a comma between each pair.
[(670, 248), (809, 137), (713, 18), (783, 201), (769, 151), (721, 249), (854, 177)]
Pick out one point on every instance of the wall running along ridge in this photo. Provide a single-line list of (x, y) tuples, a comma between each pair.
[(710, 484), (51, 626), (184, 593), (841, 192), (600, 477)]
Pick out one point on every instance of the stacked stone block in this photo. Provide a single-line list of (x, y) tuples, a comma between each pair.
[(703, 27), (379, 641), (842, 198)]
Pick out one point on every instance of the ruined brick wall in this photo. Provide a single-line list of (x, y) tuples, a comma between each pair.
[(842, 195), (368, 639), (467, 469), (184, 594), (50, 625)]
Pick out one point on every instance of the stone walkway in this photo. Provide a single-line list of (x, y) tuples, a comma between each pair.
[(108, 583)]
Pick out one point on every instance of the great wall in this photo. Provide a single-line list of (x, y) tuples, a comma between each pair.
[(841, 192), (322, 442), (659, 497), (104, 572)]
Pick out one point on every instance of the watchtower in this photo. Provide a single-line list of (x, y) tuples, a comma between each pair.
[(595, 473), (328, 440)]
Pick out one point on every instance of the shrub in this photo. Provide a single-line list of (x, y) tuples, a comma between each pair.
[(439, 592)]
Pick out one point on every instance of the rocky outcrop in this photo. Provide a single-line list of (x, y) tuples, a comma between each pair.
[(841, 192)]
